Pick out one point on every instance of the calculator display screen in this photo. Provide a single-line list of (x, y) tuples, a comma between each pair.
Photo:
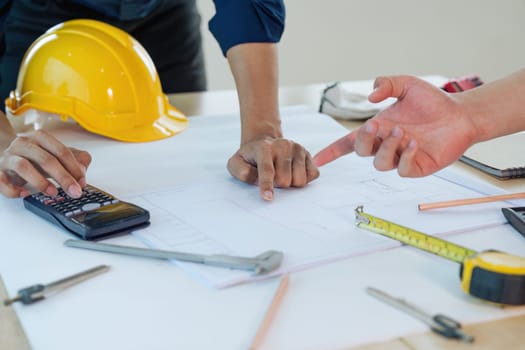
[(109, 215)]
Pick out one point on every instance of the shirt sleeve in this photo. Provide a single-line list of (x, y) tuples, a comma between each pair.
[(247, 21)]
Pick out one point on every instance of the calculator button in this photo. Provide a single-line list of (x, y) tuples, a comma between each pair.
[(90, 206)]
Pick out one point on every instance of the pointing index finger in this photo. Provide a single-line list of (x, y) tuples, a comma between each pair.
[(335, 150)]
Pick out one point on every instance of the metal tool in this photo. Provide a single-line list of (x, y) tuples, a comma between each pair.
[(439, 323), (260, 264), (490, 275), (38, 292)]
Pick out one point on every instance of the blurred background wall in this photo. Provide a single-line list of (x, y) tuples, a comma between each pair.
[(327, 40)]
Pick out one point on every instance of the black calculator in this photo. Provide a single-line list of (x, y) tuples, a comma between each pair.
[(96, 214), (516, 217)]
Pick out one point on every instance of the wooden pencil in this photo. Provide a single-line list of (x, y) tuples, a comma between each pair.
[(270, 313), (469, 201)]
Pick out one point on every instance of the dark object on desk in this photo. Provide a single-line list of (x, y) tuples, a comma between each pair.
[(95, 215), (38, 292), (500, 174), (502, 157), (440, 324), (516, 217)]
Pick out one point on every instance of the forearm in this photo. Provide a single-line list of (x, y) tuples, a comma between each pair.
[(254, 67), (7, 133), (497, 108)]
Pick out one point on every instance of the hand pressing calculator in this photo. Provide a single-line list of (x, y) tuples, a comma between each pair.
[(94, 215)]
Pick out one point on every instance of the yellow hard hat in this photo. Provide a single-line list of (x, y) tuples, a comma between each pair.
[(100, 76)]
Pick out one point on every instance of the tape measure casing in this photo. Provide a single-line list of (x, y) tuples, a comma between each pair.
[(494, 276)]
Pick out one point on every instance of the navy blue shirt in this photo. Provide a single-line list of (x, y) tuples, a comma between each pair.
[(235, 21), (124, 10), (247, 21), (4, 7)]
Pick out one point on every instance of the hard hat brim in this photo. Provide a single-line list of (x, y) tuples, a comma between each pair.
[(170, 122)]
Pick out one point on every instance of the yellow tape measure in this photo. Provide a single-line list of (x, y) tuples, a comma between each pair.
[(490, 275)]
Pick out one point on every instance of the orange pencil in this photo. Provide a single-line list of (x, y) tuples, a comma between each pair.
[(270, 313), (458, 202)]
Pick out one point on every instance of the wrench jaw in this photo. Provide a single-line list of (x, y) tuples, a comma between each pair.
[(261, 264), (268, 262)]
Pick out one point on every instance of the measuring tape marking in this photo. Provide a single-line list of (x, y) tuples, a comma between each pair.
[(412, 237)]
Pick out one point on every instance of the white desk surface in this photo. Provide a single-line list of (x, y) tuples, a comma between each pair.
[(321, 309)]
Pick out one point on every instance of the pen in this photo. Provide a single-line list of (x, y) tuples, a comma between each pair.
[(440, 324), (38, 292)]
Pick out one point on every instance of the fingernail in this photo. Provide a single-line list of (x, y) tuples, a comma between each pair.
[(82, 182), (369, 128), (396, 131), (268, 195), (74, 191), (51, 190), (377, 82)]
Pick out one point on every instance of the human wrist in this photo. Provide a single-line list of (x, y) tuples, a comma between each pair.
[(6, 139), (485, 108), (254, 67), (7, 133), (259, 129), (473, 115), (496, 108)]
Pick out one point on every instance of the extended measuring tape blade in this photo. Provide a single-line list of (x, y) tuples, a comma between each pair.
[(412, 237), (490, 275)]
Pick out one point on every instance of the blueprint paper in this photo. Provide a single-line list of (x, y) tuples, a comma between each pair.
[(311, 226), (151, 304), (196, 206)]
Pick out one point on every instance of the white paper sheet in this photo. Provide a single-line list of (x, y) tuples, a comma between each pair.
[(149, 304), (311, 226)]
